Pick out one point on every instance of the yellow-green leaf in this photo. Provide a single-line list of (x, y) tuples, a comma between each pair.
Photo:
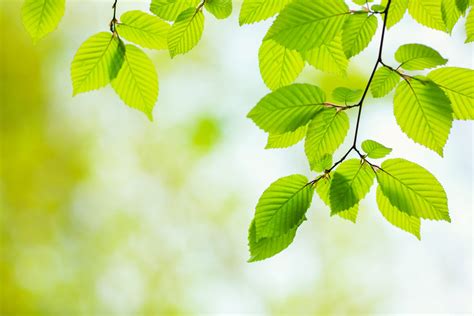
[(144, 29), (257, 10), (97, 62), (328, 57), (137, 81), (170, 9), (287, 139), (41, 17), (357, 33), (221, 9), (185, 32), (385, 80), (322, 188), (279, 66), (428, 13)]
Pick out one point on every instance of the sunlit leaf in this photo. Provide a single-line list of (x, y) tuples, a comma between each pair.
[(322, 188), (458, 84), (450, 13), (287, 139), (288, 108), (144, 29), (470, 27), (257, 10), (328, 57), (418, 57), (385, 80), (186, 32), (428, 13), (221, 9), (413, 190), (170, 9), (350, 183), (41, 17), (397, 218), (282, 206), (423, 112), (358, 31), (306, 24), (346, 96), (279, 66), (137, 81), (397, 11), (374, 149), (96, 62), (326, 133)]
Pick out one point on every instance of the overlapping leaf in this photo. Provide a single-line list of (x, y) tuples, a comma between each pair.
[(418, 57), (279, 66), (358, 31), (423, 112), (137, 81), (306, 24), (470, 27), (385, 80), (413, 190), (374, 149), (170, 9), (257, 10), (97, 62), (350, 183), (185, 32), (282, 206), (450, 13), (221, 9), (287, 139), (328, 57), (41, 17), (346, 96), (326, 133), (322, 188), (288, 108), (397, 11), (397, 218), (458, 84), (144, 29), (267, 247), (428, 13)]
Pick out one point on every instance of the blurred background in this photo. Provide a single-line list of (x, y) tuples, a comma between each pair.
[(105, 213)]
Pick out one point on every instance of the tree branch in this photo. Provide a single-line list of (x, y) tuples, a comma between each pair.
[(361, 102)]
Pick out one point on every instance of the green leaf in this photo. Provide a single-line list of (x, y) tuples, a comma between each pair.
[(345, 95), (418, 57), (279, 66), (144, 29), (377, 8), (186, 32), (413, 190), (358, 31), (268, 247), (41, 17), (287, 139), (288, 108), (97, 62), (306, 24), (423, 112), (221, 9), (326, 133), (385, 80), (282, 206), (397, 218), (457, 84), (257, 10), (428, 13), (374, 149), (470, 27), (137, 81), (450, 13), (328, 57), (463, 5), (361, 2), (170, 9), (322, 163), (322, 188), (350, 183), (396, 12)]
